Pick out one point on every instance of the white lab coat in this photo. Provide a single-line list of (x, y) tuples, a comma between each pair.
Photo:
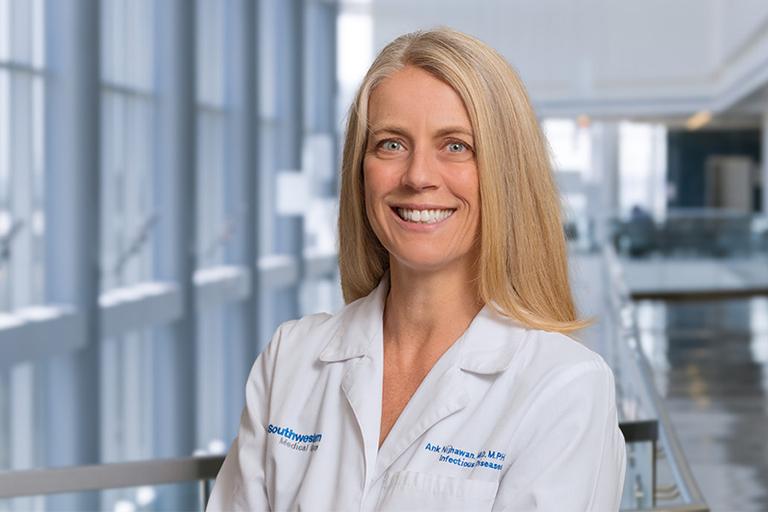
[(509, 418)]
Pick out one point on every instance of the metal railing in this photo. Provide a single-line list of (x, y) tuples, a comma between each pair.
[(623, 310), (36, 482), (702, 233)]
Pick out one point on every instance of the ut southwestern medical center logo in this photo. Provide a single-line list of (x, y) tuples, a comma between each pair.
[(294, 440)]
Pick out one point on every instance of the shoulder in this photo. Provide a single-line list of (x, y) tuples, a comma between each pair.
[(534, 361), (553, 364), (505, 345), (305, 334), (293, 331), (548, 352), (554, 382), (303, 340), (298, 348)]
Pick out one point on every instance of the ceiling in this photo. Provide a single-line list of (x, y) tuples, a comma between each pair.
[(656, 59)]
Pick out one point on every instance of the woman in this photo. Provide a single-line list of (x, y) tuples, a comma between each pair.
[(448, 380)]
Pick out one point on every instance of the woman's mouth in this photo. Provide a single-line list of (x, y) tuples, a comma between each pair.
[(423, 216)]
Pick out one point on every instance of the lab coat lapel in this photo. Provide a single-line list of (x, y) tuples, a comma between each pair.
[(362, 388), (487, 347), (359, 347), (438, 397)]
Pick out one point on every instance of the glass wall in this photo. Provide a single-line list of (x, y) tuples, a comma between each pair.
[(22, 219), (127, 218), (169, 173), (21, 153)]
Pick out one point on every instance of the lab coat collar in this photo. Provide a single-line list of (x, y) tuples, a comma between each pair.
[(490, 344), (361, 323)]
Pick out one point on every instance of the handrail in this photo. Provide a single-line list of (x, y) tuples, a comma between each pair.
[(694, 507), (640, 431), (681, 470), (35, 482)]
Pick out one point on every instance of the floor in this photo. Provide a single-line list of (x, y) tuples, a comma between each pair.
[(710, 360)]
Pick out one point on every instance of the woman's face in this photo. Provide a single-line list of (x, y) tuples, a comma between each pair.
[(421, 184)]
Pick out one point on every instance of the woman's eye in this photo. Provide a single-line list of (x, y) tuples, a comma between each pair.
[(391, 145), (457, 147)]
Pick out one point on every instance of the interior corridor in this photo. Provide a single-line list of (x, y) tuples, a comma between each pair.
[(710, 360)]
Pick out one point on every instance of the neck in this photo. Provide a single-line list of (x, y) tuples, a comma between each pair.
[(429, 310)]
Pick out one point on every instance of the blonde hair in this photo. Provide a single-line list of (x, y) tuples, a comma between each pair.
[(522, 267)]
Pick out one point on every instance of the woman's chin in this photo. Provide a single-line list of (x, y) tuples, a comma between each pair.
[(423, 263)]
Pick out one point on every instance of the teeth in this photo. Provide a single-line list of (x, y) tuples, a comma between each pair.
[(424, 216)]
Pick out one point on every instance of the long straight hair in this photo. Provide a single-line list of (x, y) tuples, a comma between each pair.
[(522, 267)]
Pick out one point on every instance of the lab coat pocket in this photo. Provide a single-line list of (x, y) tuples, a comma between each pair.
[(409, 490)]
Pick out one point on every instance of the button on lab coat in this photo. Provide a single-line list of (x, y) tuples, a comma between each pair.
[(509, 418)]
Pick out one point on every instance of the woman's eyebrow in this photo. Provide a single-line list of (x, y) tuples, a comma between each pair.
[(389, 128), (454, 129), (440, 133)]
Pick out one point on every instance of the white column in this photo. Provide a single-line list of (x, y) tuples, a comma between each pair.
[(242, 325), (23, 446), (605, 202), (175, 346), (764, 164), (290, 23), (21, 150), (72, 137), (659, 171), (320, 91), (174, 242)]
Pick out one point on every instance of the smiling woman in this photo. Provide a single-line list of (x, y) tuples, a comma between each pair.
[(422, 192), (484, 109), (448, 381)]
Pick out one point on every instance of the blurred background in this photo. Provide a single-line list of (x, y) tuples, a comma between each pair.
[(168, 196)]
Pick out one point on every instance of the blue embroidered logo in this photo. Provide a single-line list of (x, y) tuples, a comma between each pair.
[(294, 440), (490, 459)]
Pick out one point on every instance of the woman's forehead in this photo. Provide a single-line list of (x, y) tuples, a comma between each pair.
[(413, 96)]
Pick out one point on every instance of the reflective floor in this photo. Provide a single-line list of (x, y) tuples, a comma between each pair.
[(711, 364)]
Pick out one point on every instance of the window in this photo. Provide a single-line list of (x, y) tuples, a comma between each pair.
[(127, 220), (127, 136), (216, 225), (643, 168), (22, 226), (21, 154), (571, 148), (149, 399)]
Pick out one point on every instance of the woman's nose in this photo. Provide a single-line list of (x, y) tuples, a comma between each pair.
[(421, 172)]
